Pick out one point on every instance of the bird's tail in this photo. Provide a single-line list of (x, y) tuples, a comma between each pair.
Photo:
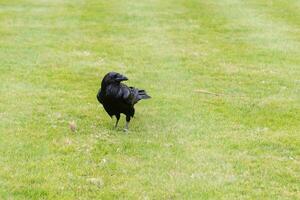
[(143, 94)]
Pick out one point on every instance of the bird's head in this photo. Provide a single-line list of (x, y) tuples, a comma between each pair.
[(113, 78)]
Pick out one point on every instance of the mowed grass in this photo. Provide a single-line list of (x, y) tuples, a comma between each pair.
[(183, 143)]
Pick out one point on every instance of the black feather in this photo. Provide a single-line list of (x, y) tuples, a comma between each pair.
[(117, 97)]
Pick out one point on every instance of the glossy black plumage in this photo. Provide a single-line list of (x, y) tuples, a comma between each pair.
[(118, 98)]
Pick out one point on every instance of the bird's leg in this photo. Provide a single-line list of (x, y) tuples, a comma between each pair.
[(126, 126), (127, 123), (118, 117), (116, 125)]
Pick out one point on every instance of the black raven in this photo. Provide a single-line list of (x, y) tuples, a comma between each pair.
[(118, 98)]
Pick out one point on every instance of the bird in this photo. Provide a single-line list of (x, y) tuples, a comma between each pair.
[(117, 98)]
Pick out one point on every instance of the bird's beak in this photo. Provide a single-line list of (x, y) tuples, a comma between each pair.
[(122, 78)]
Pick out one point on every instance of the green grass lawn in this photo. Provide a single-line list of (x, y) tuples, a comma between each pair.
[(183, 143)]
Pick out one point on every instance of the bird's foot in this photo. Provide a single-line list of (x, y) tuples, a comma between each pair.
[(126, 127)]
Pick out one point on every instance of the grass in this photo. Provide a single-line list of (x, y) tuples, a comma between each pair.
[(182, 144)]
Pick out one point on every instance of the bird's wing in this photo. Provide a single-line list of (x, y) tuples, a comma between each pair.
[(132, 95), (125, 94), (100, 96)]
